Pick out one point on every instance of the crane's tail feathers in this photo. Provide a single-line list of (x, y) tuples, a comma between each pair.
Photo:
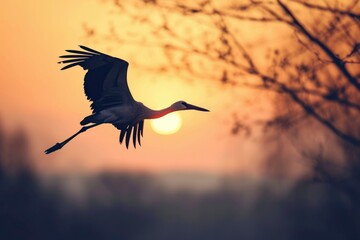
[(136, 130)]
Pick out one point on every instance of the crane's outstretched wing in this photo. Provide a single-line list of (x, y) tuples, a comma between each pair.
[(137, 130), (105, 83)]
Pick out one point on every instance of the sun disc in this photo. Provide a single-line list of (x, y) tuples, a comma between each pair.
[(169, 124)]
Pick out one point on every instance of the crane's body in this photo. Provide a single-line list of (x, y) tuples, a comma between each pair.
[(105, 84), (122, 114)]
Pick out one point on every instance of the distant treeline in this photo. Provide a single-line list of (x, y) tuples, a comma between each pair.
[(125, 206)]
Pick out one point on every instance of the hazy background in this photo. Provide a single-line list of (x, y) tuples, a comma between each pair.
[(277, 156)]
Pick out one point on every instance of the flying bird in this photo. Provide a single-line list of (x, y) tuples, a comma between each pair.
[(105, 85)]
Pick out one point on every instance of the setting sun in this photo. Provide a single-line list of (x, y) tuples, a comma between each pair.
[(168, 124)]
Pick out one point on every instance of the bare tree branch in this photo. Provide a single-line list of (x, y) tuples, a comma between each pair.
[(337, 61), (328, 9)]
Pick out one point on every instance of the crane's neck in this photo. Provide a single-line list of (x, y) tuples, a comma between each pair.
[(151, 114)]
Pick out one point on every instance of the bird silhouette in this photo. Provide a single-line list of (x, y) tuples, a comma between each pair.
[(105, 85)]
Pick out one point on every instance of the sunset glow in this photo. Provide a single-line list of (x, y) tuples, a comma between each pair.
[(168, 124), (182, 119), (48, 104), (52, 102)]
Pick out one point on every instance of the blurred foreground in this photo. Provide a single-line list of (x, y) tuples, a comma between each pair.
[(128, 206)]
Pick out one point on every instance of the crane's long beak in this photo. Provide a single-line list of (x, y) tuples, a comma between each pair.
[(189, 106)]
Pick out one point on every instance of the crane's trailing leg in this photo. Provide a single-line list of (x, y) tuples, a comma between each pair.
[(58, 146)]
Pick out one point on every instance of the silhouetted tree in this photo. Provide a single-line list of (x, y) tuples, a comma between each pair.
[(314, 69), (311, 68)]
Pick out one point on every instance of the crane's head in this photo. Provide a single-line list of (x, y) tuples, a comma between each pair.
[(182, 105)]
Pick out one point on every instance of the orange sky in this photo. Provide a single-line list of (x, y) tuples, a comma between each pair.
[(49, 103)]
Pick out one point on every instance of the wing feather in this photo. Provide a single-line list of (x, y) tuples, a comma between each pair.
[(73, 60), (105, 83), (70, 65), (79, 52), (74, 56), (89, 49)]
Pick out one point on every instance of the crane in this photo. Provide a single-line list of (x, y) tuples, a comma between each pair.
[(105, 85)]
